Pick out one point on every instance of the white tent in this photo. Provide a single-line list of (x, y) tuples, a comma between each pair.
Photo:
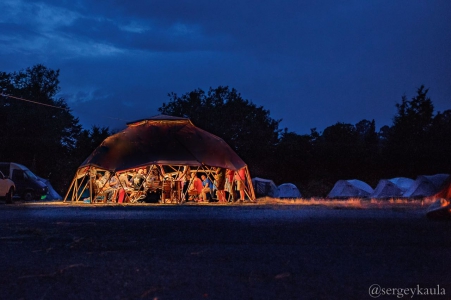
[(389, 188), (350, 188), (288, 190), (426, 185), (265, 187)]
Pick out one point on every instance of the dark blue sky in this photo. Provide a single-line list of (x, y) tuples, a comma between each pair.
[(311, 63)]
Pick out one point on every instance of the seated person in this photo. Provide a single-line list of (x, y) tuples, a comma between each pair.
[(100, 188), (207, 186), (111, 188), (153, 181), (137, 183), (138, 180), (123, 181), (194, 186), (101, 179)]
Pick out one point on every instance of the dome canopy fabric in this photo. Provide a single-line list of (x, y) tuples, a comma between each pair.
[(288, 190), (350, 188), (163, 140)]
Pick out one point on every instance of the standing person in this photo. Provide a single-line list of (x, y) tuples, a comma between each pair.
[(220, 183), (239, 178), (230, 174)]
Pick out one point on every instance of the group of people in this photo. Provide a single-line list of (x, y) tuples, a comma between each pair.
[(128, 186), (136, 184), (225, 183)]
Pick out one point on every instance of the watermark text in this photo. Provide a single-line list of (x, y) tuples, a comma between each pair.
[(376, 291)]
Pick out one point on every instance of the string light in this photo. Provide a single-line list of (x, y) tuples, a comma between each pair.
[(49, 105), (35, 102)]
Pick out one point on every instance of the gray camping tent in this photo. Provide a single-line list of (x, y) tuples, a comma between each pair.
[(288, 190), (350, 188), (52, 194), (389, 188), (426, 185), (264, 187)]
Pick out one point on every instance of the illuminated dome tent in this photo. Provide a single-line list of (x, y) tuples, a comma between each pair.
[(166, 142)]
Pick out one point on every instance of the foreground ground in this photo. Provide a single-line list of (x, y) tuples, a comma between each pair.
[(220, 252)]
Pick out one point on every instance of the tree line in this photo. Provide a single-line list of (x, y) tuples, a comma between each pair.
[(417, 143), (46, 138), (51, 142)]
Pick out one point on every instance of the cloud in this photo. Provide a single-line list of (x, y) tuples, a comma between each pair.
[(311, 63)]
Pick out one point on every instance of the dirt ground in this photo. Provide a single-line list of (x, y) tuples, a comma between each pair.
[(221, 252)]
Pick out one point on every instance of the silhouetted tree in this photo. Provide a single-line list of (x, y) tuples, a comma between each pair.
[(439, 140), (42, 134), (406, 149), (294, 155), (336, 151), (247, 128), (367, 152)]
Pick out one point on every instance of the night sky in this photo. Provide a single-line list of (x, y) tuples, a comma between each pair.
[(311, 63)]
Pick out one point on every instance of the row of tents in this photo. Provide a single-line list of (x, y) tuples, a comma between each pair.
[(267, 187), (400, 187), (438, 185)]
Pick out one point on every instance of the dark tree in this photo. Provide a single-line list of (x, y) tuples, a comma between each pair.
[(42, 134), (336, 151), (88, 140), (439, 140), (247, 128), (367, 152), (407, 151), (294, 155)]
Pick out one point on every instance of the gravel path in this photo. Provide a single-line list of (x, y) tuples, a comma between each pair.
[(213, 252)]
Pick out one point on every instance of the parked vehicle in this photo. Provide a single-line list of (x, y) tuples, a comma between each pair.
[(27, 185), (7, 188)]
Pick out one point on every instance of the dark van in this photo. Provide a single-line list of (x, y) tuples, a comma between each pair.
[(28, 186)]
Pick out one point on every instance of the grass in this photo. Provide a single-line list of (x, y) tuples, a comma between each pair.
[(350, 203), (359, 203)]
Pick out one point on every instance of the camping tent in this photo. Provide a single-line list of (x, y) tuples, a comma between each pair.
[(288, 190), (350, 188), (265, 187), (52, 194), (161, 141), (389, 188), (426, 185)]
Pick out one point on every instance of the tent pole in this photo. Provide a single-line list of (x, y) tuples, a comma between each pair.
[(90, 189), (77, 198), (71, 185), (251, 187), (75, 190)]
